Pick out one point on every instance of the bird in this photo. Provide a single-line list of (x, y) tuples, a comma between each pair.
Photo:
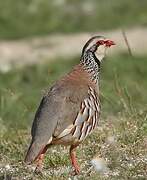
[(70, 110)]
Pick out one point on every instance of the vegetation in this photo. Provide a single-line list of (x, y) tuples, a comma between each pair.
[(24, 18), (124, 117)]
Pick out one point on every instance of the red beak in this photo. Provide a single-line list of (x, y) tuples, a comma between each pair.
[(109, 43)]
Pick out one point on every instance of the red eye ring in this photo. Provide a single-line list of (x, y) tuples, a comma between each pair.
[(108, 43), (100, 42)]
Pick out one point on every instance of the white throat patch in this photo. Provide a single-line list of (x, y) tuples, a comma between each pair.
[(101, 52)]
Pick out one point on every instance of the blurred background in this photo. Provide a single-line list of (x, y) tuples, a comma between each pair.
[(40, 41)]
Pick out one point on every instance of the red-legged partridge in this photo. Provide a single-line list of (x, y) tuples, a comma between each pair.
[(70, 110)]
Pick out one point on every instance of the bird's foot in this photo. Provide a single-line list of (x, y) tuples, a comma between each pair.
[(76, 171), (38, 170)]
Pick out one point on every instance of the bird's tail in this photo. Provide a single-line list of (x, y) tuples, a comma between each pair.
[(34, 151)]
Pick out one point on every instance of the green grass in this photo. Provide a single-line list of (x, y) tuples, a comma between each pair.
[(24, 18), (124, 116)]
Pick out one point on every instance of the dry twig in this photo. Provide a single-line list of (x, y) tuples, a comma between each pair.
[(126, 41)]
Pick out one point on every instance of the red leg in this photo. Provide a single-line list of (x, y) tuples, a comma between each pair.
[(39, 160), (73, 159)]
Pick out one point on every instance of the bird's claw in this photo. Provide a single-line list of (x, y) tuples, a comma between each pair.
[(76, 171), (38, 170)]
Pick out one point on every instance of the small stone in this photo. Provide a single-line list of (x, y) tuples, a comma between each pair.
[(7, 167), (99, 164), (111, 140)]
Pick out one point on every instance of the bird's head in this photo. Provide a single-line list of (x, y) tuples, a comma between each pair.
[(98, 45)]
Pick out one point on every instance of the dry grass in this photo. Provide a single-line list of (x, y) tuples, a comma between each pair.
[(119, 141)]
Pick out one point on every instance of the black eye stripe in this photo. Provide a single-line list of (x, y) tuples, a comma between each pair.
[(94, 38)]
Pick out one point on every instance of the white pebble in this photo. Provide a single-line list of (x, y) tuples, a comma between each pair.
[(7, 167), (99, 165), (111, 140)]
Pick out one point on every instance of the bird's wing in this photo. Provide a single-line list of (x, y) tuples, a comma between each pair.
[(60, 105), (81, 114)]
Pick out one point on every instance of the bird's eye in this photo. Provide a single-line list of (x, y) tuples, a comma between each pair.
[(100, 42)]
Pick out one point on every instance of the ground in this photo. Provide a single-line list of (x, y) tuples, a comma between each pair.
[(120, 140)]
